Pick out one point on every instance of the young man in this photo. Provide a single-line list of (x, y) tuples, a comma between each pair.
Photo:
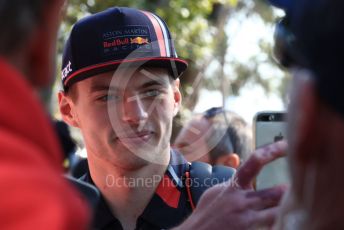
[(33, 195), (125, 115), (121, 89), (217, 137)]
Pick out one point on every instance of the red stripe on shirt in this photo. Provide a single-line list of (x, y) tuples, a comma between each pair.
[(168, 192)]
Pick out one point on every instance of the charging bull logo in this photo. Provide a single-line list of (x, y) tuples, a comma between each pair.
[(139, 40)]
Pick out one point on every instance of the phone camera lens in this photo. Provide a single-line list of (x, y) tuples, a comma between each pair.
[(271, 117)]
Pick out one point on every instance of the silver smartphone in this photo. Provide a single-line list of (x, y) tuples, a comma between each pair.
[(269, 127)]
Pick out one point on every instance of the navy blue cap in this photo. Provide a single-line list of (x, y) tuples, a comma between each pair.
[(118, 36)]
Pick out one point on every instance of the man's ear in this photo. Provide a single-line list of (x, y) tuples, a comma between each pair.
[(304, 115), (67, 110), (177, 97), (231, 160)]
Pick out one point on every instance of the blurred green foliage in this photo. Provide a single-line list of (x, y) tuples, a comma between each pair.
[(189, 21)]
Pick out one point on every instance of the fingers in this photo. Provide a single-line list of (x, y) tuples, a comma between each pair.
[(250, 169), (210, 195), (239, 209), (266, 198), (264, 218)]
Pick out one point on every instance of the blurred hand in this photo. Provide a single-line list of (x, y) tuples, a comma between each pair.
[(235, 205)]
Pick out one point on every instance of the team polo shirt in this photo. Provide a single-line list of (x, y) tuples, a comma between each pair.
[(168, 207)]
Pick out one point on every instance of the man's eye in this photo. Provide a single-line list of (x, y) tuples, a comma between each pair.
[(108, 98), (152, 93)]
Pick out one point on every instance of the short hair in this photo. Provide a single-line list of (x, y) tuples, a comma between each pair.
[(71, 92), (18, 18), (229, 134)]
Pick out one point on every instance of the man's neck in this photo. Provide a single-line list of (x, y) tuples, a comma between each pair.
[(127, 192)]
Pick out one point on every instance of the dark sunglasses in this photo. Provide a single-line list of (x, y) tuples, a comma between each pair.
[(286, 51)]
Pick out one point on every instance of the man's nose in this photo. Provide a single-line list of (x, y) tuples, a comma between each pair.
[(134, 110)]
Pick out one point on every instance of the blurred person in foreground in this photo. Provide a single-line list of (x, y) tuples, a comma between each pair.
[(310, 40), (310, 43), (217, 137), (34, 195)]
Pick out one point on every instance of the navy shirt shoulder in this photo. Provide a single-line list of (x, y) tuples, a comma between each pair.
[(168, 207)]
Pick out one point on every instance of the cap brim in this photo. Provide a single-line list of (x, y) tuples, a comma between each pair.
[(175, 66)]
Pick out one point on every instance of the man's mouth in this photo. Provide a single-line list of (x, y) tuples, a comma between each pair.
[(136, 138)]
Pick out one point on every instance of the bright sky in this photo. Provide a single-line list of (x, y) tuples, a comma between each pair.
[(250, 101), (244, 37)]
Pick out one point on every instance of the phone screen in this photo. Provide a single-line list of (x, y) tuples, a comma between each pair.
[(271, 127)]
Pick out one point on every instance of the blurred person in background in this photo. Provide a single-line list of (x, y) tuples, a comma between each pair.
[(217, 137), (68, 144), (74, 164), (33, 195)]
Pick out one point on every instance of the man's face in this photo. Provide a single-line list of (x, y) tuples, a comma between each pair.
[(127, 119), (191, 140)]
